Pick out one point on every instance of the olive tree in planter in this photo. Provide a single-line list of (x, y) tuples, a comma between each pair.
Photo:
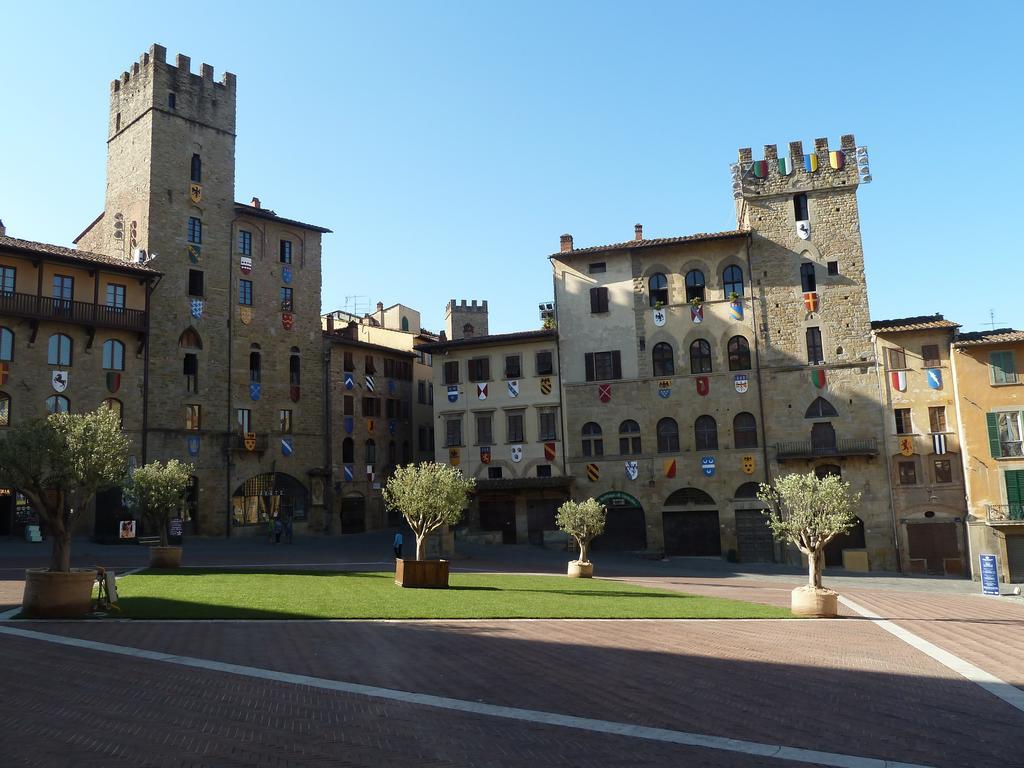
[(59, 463), (583, 520), (429, 496), (808, 512), (156, 492)]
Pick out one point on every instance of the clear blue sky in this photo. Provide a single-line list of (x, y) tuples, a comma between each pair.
[(448, 145)]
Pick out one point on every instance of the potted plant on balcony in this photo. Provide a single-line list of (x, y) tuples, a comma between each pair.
[(429, 496), (583, 520), (808, 512), (156, 493), (59, 463)]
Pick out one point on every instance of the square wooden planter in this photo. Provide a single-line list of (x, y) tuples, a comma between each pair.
[(421, 573)]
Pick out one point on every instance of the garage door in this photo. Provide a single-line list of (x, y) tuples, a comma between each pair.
[(694, 534), (935, 543), (1015, 557), (753, 537), (624, 530)]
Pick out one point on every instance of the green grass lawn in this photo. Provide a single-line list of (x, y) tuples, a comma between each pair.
[(219, 594)]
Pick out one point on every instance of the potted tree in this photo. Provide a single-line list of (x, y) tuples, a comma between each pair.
[(808, 512), (583, 520), (429, 496), (155, 492), (59, 463)]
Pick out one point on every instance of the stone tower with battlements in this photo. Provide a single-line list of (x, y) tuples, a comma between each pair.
[(819, 383), (464, 319)]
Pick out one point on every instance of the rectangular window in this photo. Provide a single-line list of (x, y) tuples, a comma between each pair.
[(63, 288), (598, 300), (943, 471), (596, 268), (245, 292), (389, 367), (908, 473), (371, 406), (391, 408), (368, 365), (903, 425), (548, 425), (543, 470), (286, 299), (195, 230), (285, 252), (1006, 426), (172, 102), (833, 268), (349, 405), (191, 371), (480, 369), (930, 356), (7, 280), (286, 421), (421, 439), (421, 392), (192, 421), (515, 432), (815, 351), (513, 366), (603, 366), (451, 372), (195, 282), (115, 295), (544, 363), (452, 432), (245, 243), (484, 435), (350, 362), (494, 473), (243, 417), (406, 409), (1003, 369), (896, 358), (800, 207), (937, 418)]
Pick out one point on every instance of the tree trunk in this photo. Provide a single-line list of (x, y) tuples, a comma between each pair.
[(60, 554), (584, 551), (814, 567), (163, 533), (421, 546)]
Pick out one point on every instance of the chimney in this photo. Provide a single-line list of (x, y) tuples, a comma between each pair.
[(566, 243), (380, 306), (255, 202), (330, 322), (638, 231)]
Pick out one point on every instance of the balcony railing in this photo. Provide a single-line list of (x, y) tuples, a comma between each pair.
[(1006, 514), (80, 312), (806, 449)]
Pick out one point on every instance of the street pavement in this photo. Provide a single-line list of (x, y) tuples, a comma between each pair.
[(516, 693)]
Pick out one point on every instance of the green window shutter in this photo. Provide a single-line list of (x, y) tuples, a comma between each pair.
[(1003, 369), (993, 434), (1015, 487)]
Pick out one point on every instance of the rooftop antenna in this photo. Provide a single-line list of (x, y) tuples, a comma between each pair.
[(991, 320), (357, 305)]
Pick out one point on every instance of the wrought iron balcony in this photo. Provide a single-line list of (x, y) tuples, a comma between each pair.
[(1005, 514), (79, 312), (806, 449)]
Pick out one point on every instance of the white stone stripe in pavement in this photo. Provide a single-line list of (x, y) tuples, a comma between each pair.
[(1009, 693), (775, 751)]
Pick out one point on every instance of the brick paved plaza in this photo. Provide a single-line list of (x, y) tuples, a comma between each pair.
[(845, 687)]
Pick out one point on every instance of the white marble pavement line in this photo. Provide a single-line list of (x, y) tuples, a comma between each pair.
[(774, 751), (1011, 694)]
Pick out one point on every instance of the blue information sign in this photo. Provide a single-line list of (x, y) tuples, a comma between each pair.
[(989, 574)]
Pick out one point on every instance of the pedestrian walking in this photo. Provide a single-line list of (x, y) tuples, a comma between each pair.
[(398, 544), (278, 529)]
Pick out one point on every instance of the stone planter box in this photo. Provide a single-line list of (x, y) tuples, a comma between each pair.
[(421, 573), (578, 570), (165, 557), (56, 595), (814, 603)]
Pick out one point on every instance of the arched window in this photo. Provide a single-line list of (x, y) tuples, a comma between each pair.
[(700, 357), (293, 368), (808, 281), (593, 445), (664, 365), (5, 409), (668, 436), (190, 339), (371, 452), (59, 350), (747, 491), (744, 430), (629, 438), (197, 168), (694, 285), (658, 289), (405, 323), (6, 344), (348, 451), (705, 430), (57, 404), (820, 409), (255, 368), (117, 407), (467, 330), (392, 453), (113, 355), (732, 281), (739, 354)]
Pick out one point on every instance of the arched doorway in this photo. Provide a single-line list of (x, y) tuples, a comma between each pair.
[(754, 541), (624, 528), (852, 539), (353, 513), (690, 523), (271, 494)]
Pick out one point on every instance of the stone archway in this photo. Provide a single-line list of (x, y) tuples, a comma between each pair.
[(265, 496), (625, 528), (691, 525)]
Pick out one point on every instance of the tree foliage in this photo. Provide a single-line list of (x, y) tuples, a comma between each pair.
[(583, 520), (429, 496), (59, 463), (808, 512), (156, 492)]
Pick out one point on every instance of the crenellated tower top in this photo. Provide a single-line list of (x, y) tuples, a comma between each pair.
[(796, 171)]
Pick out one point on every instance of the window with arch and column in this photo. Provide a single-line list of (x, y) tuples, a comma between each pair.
[(732, 281), (57, 404), (705, 432), (592, 443), (739, 354), (113, 355), (808, 278), (668, 435), (255, 365), (744, 430), (190, 341), (117, 407), (196, 168), (820, 408), (59, 350), (348, 451), (657, 288), (664, 362), (629, 438), (694, 281), (371, 452), (6, 344), (700, 356)]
